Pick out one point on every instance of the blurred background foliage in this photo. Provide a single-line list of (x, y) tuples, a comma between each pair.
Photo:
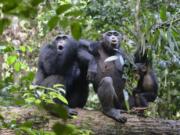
[(25, 25)]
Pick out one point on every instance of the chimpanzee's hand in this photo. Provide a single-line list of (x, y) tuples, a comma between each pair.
[(91, 75)]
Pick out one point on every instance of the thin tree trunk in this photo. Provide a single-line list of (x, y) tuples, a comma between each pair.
[(1, 62)]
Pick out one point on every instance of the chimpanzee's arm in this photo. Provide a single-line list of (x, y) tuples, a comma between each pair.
[(40, 76), (85, 56), (144, 98)]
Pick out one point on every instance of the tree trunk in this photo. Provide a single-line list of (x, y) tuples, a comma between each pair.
[(95, 121), (1, 62)]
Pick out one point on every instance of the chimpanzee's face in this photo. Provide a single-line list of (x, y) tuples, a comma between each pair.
[(140, 70), (112, 39), (61, 41)]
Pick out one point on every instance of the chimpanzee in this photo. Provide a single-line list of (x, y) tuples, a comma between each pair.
[(66, 61), (109, 81), (147, 87)]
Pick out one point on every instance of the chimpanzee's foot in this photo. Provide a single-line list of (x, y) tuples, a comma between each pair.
[(115, 114), (72, 111)]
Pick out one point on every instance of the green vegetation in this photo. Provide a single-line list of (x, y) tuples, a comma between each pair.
[(26, 24)]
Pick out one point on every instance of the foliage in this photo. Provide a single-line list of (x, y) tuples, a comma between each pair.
[(153, 26), (16, 70)]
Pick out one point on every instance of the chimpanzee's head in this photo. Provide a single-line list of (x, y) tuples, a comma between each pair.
[(140, 70), (111, 39), (62, 42)]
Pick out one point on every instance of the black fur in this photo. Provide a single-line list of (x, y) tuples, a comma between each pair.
[(147, 87), (62, 61), (109, 81)]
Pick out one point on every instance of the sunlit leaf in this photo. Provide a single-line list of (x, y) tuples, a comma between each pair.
[(1, 117), (30, 49), (53, 22), (17, 66), (24, 66), (59, 96), (23, 48), (76, 30), (37, 102), (74, 13), (63, 8), (30, 99), (11, 59)]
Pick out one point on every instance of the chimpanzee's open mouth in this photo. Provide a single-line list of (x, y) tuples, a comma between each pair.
[(113, 44), (60, 47)]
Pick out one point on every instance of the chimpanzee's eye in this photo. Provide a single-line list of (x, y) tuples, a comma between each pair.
[(116, 34), (58, 38), (109, 34), (64, 37)]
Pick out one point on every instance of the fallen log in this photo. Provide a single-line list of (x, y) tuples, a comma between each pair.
[(95, 121)]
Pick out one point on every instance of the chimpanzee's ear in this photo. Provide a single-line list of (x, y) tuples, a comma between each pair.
[(103, 36)]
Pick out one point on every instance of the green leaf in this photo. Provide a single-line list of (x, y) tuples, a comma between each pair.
[(17, 66), (4, 23), (1, 117), (19, 101), (23, 48), (56, 109), (163, 13), (27, 11), (37, 102), (175, 32), (74, 13), (63, 8), (10, 5), (30, 99), (27, 124), (76, 30), (11, 59), (61, 129), (64, 23), (28, 131), (53, 22), (36, 2), (59, 96), (30, 76)]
